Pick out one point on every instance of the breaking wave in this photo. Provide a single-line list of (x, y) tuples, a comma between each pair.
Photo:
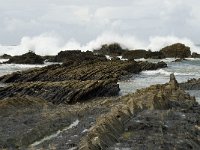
[(163, 72), (50, 44)]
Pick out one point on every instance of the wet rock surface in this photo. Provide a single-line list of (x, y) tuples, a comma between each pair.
[(162, 129), (97, 70), (63, 92), (28, 58), (160, 116), (167, 101)]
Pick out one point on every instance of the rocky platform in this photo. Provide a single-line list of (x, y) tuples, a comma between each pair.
[(157, 117), (147, 120), (86, 70), (63, 92)]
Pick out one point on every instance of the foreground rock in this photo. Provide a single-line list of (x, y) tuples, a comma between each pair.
[(161, 116), (63, 92), (28, 58), (177, 50), (155, 125), (97, 70)]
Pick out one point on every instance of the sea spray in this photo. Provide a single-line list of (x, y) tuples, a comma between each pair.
[(50, 44)]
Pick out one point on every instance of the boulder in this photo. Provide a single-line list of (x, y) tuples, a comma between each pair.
[(177, 50), (28, 58)]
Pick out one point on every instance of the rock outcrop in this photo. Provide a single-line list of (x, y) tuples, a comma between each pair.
[(134, 54), (161, 116), (68, 92), (5, 56), (177, 50), (192, 84), (154, 55), (145, 65), (114, 125), (76, 56), (28, 58), (113, 50), (195, 55), (97, 70)]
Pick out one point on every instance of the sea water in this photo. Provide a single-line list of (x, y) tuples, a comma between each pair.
[(184, 70)]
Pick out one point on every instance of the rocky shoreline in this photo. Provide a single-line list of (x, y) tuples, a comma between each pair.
[(76, 105)]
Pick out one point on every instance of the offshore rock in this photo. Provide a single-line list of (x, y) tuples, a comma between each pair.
[(5, 56), (77, 56), (112, 127), (113, 50), (134, 54), (195, 55), (154, 55), (192, 84), (28, 58), (63, 92), (145, 65), (177, 50)]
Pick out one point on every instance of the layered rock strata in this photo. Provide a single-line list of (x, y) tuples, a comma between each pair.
[(110, 127)]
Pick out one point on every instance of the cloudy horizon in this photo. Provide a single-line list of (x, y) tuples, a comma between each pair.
[(78, 22)]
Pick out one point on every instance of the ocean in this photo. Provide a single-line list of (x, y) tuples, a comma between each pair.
[(183, 71)]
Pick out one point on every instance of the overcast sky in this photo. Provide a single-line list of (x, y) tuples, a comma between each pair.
[(84, 20)]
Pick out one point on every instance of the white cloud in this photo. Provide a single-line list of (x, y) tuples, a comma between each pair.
[(84, 20)]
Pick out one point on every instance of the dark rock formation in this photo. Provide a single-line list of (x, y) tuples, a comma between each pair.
[(76, 55), (63, 92), (134, 54), (113, 49), (154, 55), (145, 65), (177, 50), (99, 70), (192, 84), (161, 116), (195, 55), (125, 125), (5, 56), (28, 58)]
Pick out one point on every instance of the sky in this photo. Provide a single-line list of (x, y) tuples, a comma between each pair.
[(68, 23)]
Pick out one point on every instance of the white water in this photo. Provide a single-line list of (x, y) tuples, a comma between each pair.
[(48, 44), (9, 68), (74, 124)]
